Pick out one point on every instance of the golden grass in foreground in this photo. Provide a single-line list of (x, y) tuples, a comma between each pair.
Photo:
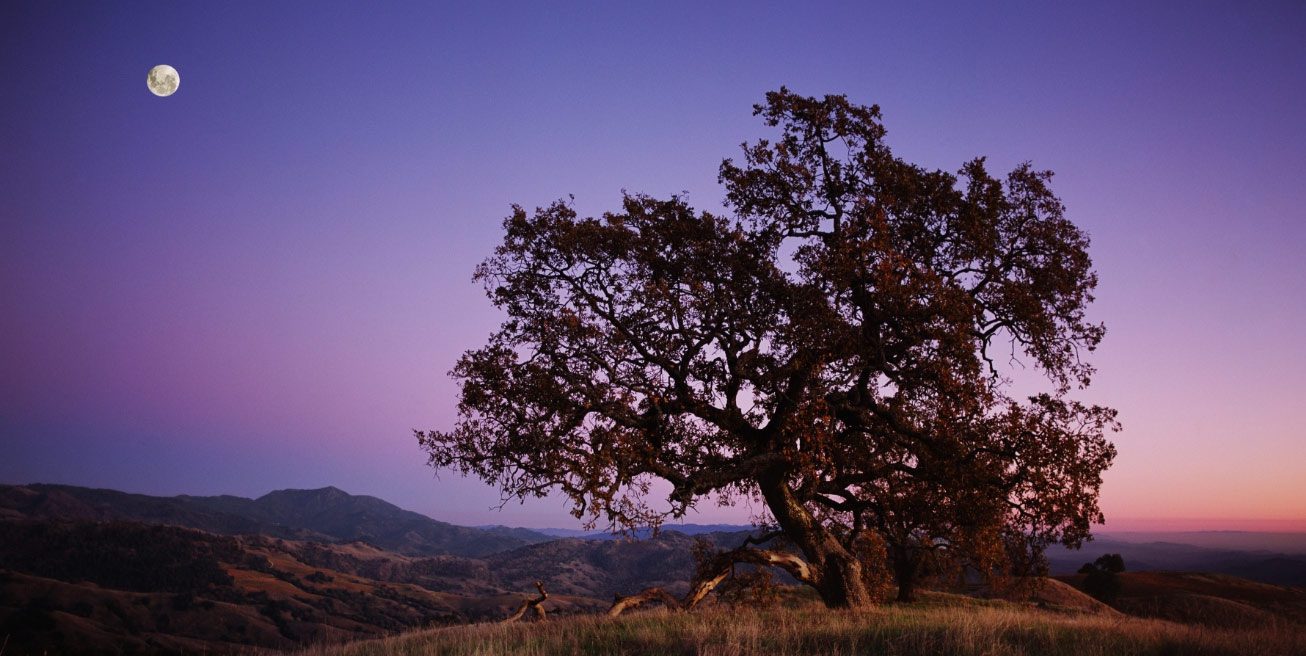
[(990, 629)]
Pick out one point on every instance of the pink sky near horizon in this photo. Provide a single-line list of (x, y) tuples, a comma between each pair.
[(260, 284)]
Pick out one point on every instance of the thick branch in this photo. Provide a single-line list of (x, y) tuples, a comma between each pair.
[(713, 574), (528, 604), (621, 604)]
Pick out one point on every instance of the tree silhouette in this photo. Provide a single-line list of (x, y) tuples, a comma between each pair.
[(1112, 563), (1101, 581), (836, 348)]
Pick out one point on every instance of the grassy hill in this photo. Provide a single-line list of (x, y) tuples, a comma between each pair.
[(119, 587), (100, 571), (1206, 599), (943, 624)]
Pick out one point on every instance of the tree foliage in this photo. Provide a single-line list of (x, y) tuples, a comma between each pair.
[(835, 347), (1101, 580)]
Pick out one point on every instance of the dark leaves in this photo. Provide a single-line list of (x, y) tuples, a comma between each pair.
[(847, 331)]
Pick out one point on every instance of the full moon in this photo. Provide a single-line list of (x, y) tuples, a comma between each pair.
[(163, 80)]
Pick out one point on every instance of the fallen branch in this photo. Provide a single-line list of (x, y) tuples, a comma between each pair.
[(620, 604), (528, 604), (712, 574)]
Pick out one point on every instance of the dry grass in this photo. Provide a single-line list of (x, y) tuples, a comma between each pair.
[(983, 628)]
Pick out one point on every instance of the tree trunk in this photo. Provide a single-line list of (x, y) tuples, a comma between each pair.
[(836, 572), (905, 567), (842, 583), (827, 566)]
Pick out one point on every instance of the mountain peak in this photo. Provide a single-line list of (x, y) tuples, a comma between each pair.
[(326, 514), (328, 492)]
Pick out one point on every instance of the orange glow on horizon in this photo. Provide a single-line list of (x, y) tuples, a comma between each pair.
[(1162, 524)]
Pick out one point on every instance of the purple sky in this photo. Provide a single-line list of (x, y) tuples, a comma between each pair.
[(260, 282)]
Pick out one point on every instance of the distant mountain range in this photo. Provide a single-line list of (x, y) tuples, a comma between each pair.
[(1259, 565), (332, 515), (324, 515)]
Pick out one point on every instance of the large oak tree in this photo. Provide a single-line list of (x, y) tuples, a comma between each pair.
[(835, 346)]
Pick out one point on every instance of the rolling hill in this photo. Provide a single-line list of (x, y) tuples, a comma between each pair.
[(1258, 565), (124, 587), (84, 571), (940, 624), (327, 514)]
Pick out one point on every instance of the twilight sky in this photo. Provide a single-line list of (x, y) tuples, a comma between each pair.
[(260, 282)]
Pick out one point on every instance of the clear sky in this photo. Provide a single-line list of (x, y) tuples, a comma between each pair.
[(260, 282)]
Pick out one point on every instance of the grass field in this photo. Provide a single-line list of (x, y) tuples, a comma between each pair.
[(990, 628)]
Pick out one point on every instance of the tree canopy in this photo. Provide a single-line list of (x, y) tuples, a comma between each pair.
[(835, 346)]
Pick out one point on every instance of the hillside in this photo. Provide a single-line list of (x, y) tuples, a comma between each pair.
[(327, 514), (99, 570), (1253, 561), (1206, 599), (121, 587), (124, 587), (945, 624)]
